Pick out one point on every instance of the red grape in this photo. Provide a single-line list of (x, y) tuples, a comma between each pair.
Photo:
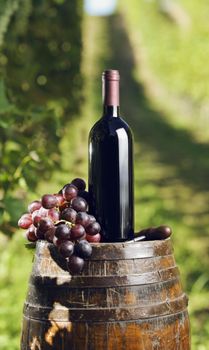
[(63, 232), (60, 199), (81, 238), (53, 214), (69, 192), (25, 221), (64, 206), (85, 195), (91, 219), (36, 216), (31, 234), (35, 205), (83, 249), (39, 234), (77, 232), (62, 189), (49, 201), (75, 264), (93, 239), (45, 224), (57, 241), (79, 204), (93, 228), (43, 212), (66, 249), (69, 214), (49, 234), (79, 183), (82, 219)]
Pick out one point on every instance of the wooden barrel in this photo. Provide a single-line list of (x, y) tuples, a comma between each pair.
[(129, 297)]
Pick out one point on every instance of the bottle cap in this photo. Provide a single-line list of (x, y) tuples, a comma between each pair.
[(111, 74), (110, 91)]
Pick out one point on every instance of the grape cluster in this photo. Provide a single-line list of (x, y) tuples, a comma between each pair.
[(63, 219)]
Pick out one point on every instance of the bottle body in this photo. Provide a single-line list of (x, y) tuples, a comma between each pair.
[(111, 177)]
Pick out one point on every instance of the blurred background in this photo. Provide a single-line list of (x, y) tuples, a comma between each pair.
[(52, 54)]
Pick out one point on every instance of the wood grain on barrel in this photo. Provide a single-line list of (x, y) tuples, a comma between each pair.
[(129, 297)]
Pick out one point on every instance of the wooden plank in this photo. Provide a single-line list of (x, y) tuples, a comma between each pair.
[(109, 281), (109, 314), (97, 336), (114, 251)]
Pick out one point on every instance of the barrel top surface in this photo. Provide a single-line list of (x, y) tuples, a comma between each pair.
[(117, 251)]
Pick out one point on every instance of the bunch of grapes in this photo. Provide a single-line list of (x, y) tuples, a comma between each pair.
[(63, 219)]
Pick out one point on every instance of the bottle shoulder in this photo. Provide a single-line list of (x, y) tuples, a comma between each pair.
[(108, 126), (96, 126)]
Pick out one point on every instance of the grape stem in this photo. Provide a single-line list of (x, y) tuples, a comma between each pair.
[(68, 223)]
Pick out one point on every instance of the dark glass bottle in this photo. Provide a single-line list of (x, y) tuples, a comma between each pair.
[(111, 167)]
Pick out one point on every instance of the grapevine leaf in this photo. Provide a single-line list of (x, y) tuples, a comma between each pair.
[(5, 106), (30, 246)]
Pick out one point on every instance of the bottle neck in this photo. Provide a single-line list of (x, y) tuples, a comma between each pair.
[(111, 111), (110, 93)]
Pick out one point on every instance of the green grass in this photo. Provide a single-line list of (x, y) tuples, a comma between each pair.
[(171, 159)]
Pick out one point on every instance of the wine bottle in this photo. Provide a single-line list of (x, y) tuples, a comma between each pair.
[(111, 167)]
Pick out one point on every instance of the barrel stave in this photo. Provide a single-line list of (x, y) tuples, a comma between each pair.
[(128, 297), (162, 333), (105, 297)]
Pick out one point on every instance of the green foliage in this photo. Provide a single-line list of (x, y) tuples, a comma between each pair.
[(172, 164), (175, 58), (15, 266), (40, 91), (178, 56), (15, 259), (7, 9)]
